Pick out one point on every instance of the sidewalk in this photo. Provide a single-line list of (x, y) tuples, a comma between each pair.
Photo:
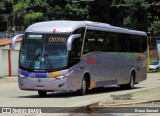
[(144, 97), (8, 79)]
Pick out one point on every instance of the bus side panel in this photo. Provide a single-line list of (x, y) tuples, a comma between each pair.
[(141, 67), (76, 76), (90, 66), (108, 68)]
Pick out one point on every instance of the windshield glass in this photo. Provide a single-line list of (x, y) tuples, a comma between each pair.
[(44, 51), (154, 63)]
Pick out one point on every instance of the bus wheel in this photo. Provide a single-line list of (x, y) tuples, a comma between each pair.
[(42, 93), (130, 85), (84, 87)]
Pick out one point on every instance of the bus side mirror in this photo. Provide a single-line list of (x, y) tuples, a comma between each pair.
[(14, 40), (70, 40)]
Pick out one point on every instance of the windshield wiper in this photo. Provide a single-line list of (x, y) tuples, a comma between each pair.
[(30, 65), (24, 68), (49, 62), (37, 55)]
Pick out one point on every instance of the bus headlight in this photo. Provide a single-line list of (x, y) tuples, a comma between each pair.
[(22, 76), (63, 75), (60, 77)]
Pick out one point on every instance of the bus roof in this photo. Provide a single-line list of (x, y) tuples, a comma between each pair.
[(64, 26)]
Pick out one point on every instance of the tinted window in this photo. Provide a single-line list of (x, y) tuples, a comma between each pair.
[(75, 53), (44, 51), (114, 42)]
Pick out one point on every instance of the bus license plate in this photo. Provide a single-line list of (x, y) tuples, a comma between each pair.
[(40, 87)]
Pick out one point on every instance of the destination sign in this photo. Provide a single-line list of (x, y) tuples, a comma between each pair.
[(31, 36), (57, 39)]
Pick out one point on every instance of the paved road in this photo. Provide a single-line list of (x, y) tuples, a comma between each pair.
[(12, 96)]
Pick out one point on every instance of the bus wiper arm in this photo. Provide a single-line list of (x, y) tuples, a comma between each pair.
[(35, 57), (49, 62), (24, 68)]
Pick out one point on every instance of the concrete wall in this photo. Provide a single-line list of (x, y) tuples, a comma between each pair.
[(14, 64), (5, 63), (15, 58), (1, 62), (4, 60)]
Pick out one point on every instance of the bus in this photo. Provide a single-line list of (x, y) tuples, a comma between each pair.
[(80, 55)]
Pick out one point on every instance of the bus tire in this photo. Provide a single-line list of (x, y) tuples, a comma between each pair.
[(84, 87), (131, 83), (42, 93)]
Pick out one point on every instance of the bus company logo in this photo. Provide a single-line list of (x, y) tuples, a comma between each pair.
[(91, 60), (32, 75)]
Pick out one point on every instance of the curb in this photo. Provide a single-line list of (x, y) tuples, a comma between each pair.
[(8, 79), (102, 103), (12, 77), (128, 103)]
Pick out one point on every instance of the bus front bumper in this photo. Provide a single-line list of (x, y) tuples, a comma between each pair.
[(43, 84)]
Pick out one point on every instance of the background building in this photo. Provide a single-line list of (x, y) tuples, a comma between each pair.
[(9, 58)]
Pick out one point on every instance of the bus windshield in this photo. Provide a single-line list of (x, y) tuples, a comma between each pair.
[(44, 51)]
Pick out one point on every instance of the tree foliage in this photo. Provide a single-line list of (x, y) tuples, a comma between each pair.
[(155, 27), (136, 14), (33, 17), (101, 11), (5, 10), (20, 8), (133, 14), (75, 11)]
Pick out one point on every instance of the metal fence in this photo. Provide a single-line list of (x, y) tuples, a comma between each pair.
[(9, 34)]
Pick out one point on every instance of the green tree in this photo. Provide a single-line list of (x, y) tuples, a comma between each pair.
[(5, 14), (56, 9), (67, 9), (20, 10), (101, 11), (155, 27), (33, 17), (76, 11), (136, 14), (29, 11), (2, 7)]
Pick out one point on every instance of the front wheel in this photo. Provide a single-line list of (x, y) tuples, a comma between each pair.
[(42, 93), (84, 87)]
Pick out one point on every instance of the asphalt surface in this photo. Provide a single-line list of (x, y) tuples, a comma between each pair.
[(12, 96)]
